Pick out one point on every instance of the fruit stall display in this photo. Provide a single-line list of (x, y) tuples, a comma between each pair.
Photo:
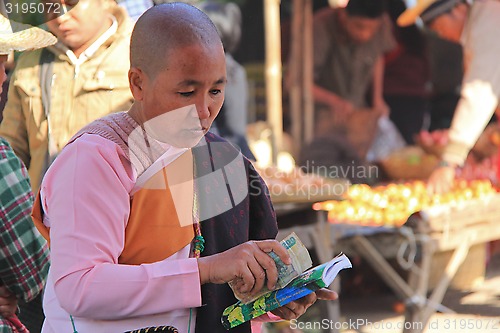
[(295, 185), (435, 141), (407, 163), (392, 204), (481, 163), (418, 161)]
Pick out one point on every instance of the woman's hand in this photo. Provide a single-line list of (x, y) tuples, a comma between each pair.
[(247, 264), (8, 303), (341, 109), (295, 309), (441, 180)]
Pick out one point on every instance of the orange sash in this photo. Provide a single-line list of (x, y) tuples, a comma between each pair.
[(161, 215)]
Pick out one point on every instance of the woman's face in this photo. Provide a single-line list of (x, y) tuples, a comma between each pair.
[(181, 101), (450, 25)]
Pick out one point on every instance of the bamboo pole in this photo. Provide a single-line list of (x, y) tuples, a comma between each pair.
[(273, 72)]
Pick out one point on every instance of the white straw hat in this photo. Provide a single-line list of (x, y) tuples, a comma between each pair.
[(16, 36), (410, 15), (427, 10)]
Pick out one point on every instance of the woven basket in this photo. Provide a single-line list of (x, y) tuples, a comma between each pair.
[(409, 163)]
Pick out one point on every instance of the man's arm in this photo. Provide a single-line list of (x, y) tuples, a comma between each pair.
[(479, 95), (335, 102), (378, 86), (23, 252), (8, 304), (385, 43), (322, 52), (481, 83), (474, 110)]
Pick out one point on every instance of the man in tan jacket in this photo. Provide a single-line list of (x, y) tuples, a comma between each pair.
[(56, 91)]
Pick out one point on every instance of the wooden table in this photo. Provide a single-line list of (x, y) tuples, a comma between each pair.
[(443, 228)]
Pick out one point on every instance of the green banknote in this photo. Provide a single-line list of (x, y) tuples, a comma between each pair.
[(301, 260)]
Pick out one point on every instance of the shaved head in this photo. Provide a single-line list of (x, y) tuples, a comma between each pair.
[(164, 28)]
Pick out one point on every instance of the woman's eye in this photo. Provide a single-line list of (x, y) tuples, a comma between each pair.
[(186, 93), (215, 91)]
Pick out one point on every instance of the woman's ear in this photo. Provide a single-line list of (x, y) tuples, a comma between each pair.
[(136, 79)]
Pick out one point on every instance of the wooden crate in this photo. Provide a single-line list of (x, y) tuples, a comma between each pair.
[(469, 275), (475, 221), (446, 218)]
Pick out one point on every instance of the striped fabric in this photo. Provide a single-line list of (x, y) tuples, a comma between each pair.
[(166, 329), (24, 258)]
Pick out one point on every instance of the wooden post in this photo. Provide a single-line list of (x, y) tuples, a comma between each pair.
[(273, 72), (301, 78), (294, 79), (307, 70)]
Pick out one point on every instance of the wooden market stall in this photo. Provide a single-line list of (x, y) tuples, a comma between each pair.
[(366, 224), (273, 70), (300, 80), (445, 228)]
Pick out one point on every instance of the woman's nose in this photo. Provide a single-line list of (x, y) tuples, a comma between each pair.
[(203, 109)]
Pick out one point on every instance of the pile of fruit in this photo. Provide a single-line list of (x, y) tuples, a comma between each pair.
[(392, 204), (298, 185)]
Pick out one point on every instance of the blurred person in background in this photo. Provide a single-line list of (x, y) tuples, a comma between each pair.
[(24, 256), (57, 90), (231, 123), (476, 27), (407, 76), (349, 44), (446, 63)]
